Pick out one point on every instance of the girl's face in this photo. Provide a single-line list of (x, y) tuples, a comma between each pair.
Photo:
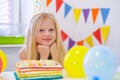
[(47, 32)]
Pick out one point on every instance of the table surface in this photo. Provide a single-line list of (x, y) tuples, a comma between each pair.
[(10, 76)]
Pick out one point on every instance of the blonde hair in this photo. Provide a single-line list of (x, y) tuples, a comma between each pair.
[(31, 44)]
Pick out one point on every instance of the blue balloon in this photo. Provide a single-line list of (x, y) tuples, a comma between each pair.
[(100, 63)]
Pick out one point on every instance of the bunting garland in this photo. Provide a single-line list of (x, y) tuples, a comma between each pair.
[(95, 11), (40, 6), (100, 35)]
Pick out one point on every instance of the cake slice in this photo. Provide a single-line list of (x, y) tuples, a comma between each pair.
[(38, 69)]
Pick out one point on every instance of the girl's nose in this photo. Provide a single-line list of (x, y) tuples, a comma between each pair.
[(47, 33)]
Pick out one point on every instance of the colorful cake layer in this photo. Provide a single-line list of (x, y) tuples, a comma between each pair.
[(38, 69)]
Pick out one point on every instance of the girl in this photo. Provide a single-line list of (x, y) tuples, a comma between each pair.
[(43, 40)]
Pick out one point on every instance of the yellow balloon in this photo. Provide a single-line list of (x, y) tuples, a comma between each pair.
[(73, 62), (4, 60)]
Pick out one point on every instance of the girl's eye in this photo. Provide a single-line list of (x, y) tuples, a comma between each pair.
[(51, 29), (41, 30)]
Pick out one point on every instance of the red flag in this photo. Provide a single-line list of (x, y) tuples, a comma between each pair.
[(97, 35), (64, 35), (58, 4)]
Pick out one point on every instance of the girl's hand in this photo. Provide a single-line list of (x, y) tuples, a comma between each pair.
[(54, 52), (43, 50)]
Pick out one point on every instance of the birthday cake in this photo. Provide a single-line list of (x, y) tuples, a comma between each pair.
[(38, 69)]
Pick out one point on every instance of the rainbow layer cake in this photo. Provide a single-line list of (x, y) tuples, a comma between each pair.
[(38, 69)]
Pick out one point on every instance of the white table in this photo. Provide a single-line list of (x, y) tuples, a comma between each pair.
[(10, 76)]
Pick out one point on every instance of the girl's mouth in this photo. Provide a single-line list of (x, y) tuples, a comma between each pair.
[(47, 39)]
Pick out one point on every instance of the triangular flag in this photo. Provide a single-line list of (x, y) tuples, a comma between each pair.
[(80, 42), (85, 13), (105, 12), (71, 43), (89, 41), (94, 14), (64, 35), (97, 35), (58, 4), (105, 31), (77, 13), (48, 2), (67, 9)]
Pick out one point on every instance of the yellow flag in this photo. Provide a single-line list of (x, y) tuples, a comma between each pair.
[(105, 31), (77, 13), (89, 40)]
